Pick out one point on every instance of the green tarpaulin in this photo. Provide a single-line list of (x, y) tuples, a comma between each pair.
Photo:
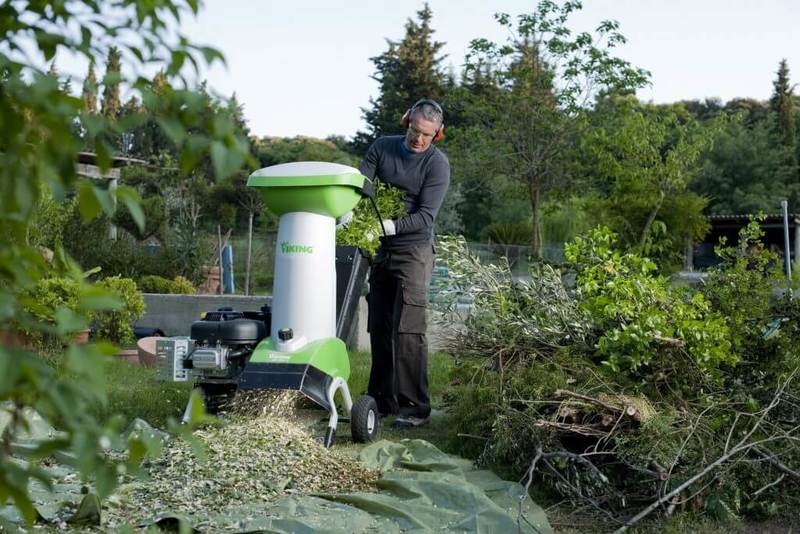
[(421, 489)]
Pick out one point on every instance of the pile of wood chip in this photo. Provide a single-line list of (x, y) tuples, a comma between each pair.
[(249, 460)]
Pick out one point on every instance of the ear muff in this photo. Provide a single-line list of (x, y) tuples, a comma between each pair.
[(406, 119)]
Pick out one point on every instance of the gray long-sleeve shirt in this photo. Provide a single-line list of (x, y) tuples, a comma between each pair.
[(424, 177)]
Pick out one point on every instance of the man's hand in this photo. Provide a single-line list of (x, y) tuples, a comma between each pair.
[(388, 227), (344, 220)]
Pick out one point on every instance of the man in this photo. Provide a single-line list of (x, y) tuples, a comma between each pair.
[(403, 264)]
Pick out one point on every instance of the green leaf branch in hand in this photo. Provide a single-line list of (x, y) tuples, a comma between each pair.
[(365, 228)]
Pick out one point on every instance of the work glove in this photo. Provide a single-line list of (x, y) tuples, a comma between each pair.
[(388, 227), (344, 220)]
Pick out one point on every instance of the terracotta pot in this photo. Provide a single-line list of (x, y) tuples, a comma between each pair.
[(146, 348), (11, 338), (82, 337)]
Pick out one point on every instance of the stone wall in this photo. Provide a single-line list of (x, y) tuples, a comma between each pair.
[(174, 315)]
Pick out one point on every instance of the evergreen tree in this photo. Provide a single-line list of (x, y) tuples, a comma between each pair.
[(89, 94), (407, 71), (782, 105), (112, 104)]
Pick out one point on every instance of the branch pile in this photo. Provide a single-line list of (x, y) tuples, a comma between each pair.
[(626, 397)]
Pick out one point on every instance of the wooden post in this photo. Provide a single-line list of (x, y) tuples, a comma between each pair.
[(249, 254), (219, 257), (796, 243)]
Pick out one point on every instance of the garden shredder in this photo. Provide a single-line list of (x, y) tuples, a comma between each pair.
[(230, 350)]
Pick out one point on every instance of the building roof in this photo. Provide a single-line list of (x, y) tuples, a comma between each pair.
[(744, 218), (90, 158)]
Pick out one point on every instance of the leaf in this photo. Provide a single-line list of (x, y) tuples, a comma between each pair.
[(68, 321), (88, 204), (96, 298), (173, 129), (130, 197)]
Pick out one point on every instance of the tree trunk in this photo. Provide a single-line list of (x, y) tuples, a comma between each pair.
[(536, 209), (650, 220), (249, 254)]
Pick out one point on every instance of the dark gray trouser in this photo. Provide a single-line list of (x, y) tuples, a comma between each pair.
[(398, 295)]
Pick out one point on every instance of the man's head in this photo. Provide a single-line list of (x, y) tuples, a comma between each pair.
[(425, 123)]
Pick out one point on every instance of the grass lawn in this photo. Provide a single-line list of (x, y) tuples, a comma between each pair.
[(136, 391)]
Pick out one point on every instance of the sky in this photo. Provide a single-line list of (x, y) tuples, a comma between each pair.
[(303, 67)]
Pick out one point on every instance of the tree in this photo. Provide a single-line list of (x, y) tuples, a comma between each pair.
[(547, 77), (276, 150), (111, 92), (642, 158), (745, 171), (37, 156), (407, 71), (90, 90), (782, 104)]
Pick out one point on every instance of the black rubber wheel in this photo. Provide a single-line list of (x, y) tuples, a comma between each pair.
[(364, 420)]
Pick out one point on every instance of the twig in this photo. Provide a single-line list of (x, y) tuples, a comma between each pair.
[(594, 503), (742, 446), (771, 458), (524, 495), (776, 481), (576, 429)]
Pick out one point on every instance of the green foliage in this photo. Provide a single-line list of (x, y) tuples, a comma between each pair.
[(637, 314), (542, 76), (642, 159), (407, 71), (51, 295), (117, 325), (157, 284), (50, 219), (155, 220), (662, 382), (509, 233), (521, 318), (364, 230), (277, 150), (741, 287), (746, 171), (783, 105), (38, 152)]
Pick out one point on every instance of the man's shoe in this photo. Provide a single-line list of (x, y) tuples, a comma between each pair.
[(409, 421)]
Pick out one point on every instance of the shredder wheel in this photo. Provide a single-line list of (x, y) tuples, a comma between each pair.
[(364, 422)]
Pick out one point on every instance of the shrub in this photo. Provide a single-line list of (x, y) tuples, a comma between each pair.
[(667, 386), (117, 325), (158, 284), (50, 294), (637, 314)]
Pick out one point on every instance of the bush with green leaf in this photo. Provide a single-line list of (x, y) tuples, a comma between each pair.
[(157, 284), (636, 313), (38, 154), (668, 386), (117, 325)]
